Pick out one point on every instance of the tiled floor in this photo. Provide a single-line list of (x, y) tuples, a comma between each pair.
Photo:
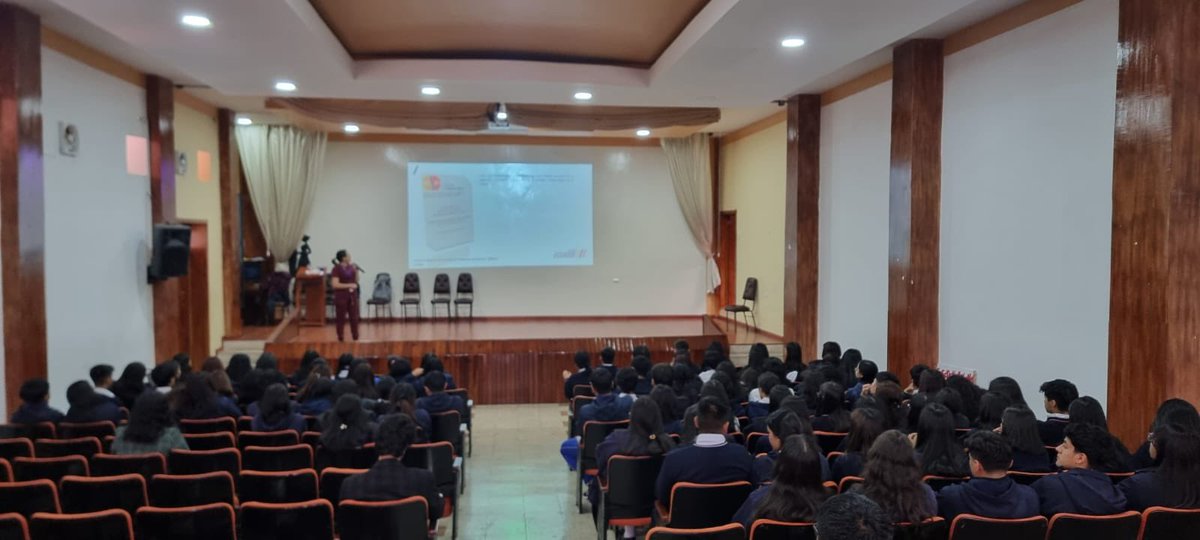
[(518, 486)]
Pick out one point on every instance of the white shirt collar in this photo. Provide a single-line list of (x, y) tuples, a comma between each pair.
[(711, 440), (105, 392), (1059, 416)]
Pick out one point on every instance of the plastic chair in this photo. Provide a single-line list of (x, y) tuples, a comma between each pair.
[(381, 295), (42, 430), (13, 526), (215, 521), (441, 294), (829, 441), (848, 482), (410, 294), (462, 393), (936, 483), (29, 498), (1113, 527), (267, 438), (203, 461), (83, 446), (464, 294), (147, 465), (210, 441), (279, 458), (769, 529), (627, 496), (439, 459), (52, 469), (732, 531), (1159, 523), (577, 403), (593, 433), (16, 447), (99, 430), (405, 518), (278, 487), (309, 520), (697, 506), (81, 494), (331, 483), (212, 425), (182, 491), (749, 299), (972, 527), (447, 426), (103, 525), (752, 441)]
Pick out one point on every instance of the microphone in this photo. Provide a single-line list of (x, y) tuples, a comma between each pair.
[(359, 268)]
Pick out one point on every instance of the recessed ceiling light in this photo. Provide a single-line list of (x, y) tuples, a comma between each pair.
[(350, 128), (643, 132), (583, 96), (195, 20), (792, 42), (430, 90), (285, 86), (243, 121)]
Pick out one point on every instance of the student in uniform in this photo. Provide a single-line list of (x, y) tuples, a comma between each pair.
[(1081, 488), (990, 492)]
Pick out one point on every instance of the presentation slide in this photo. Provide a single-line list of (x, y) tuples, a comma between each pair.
[(475, 215)]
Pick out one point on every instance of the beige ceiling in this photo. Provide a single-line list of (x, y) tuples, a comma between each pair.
[(631, 33)]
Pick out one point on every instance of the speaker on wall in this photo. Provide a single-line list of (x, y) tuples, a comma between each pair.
[(169, 257)]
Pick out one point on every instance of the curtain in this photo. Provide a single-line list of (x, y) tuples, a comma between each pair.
[(282, 167), (691, 173)]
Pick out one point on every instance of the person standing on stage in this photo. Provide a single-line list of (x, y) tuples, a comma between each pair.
[(345, 294)]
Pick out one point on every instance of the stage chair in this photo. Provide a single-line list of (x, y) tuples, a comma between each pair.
[(83, 446), (309, 520), (82, 494), (381, 295), (938, 482), (1027, 478), (267, 438), (1159, 523), (358, 458), (464, 294), (749, 299), (43, 430), (28, 498), (210, 441), (849, 482), (627, 497), (52, 469), (410, 294), (1113, 527), (215, 521), (146, 465), (769, 529), (971, 527), (277, 458), (186, 490), (829, 441), (732, 531), (447, 471), (103, 525), (593, 433), (99, 430), (933, 528), (696, 506), (405, 518), (16, 447), (441, 295), (278, 487), (204, 461), (13, 527), (213, 425)]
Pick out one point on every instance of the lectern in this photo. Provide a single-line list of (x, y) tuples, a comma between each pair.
[(310, 297)]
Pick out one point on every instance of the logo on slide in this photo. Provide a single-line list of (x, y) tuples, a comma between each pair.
[(431, 183)]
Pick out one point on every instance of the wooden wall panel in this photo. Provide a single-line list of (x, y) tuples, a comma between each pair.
[(231, 253), (22, 200), (801, 223), (915, 205), (1155, 297), (169, 320)]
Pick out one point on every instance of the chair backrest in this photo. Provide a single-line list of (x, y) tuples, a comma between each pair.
[(331, 482), (731, 531), (212, 425), (938, 482), (28, 498), (15, 447), (102, 525), (215, 521), (436, 457), (446, 428), (583, 391), (412, 283), (971, 527), (931, 529), (309, 520), (696, 506), (465, 285), (382, 291), (1118, 477), (82, 494), (245, 423), (1027, 478), (769, 529), (210, 441), (146, 465), (441, 284), (750, 292), (277, 458), (49, 468), (829, 441), (1159, 523), (1113, 527), (405, 518), (42, 430), (203, 461), (82, 446), (278, 487), (311, 438), (357, 458), (848, 482), (100, 430), (13, 526), (594, 433), (184, 490), (630, 489), (6, 472), (268, 438)]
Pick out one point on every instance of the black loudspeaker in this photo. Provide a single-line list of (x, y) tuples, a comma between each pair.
[(169, 258)]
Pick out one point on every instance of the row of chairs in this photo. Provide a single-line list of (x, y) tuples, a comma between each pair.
[(464, 295)]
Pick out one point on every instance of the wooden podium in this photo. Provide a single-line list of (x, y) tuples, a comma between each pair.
[(310, 297)]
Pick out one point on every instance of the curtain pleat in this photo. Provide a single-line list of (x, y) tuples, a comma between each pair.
[(689, 163), (283, 166)]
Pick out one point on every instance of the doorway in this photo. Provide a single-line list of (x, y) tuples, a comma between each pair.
[(727, 256), (194, 296)]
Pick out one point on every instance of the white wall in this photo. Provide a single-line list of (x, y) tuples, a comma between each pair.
[(98, 305), (1027, 150), (639, 233), (855, 162)]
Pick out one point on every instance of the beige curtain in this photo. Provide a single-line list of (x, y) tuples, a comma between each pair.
[(283, 165), (690, 165)]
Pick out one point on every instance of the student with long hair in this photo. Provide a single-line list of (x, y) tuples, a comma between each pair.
[(937, 446), (1175, 481), (1181, 412), (403, 399), (218, 379), (275, 412), (890, 398), (866, 424), (781, 424), (832, 415), (668, 407), (1020, 428), (644, 437), (1010, 388), (301, 375), (194, 399), (1087, 410), (991, 410), (151, 428), (892, 478), (797, 491), (970, 393), (316, 397), (130, 384), (362, 375), (238, 368), (346, 426)]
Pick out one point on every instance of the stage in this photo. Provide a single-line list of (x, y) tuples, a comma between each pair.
[(508, 360)]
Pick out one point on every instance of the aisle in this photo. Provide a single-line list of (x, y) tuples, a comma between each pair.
[(518, 486)]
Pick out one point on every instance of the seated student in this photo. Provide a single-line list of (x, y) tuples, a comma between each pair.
[(607, 356), (88, 406), (195, 399), (581, 376), (306, 364), (990, 492), (626, 380), (759, 412), (664, 397), (163, 376), (437, 400), (797, 491), (1081, 488), (662, 374), (1181, 412), (214, 372), (953, 400), (684, 382), (274, 412), (346, 426), (130, 384), (1175, 482), (991, 412), (1059, 394), (892, 478), (866, 424), (641, 365), (151, 428), (1019, 427), (865, 373), (102, 381), (937, 446), (389, 479), (403, 399), (708, 365), (1087, 410), (851, 516), (644, 437), (782, 424), (1010, 388), (316, 396), (605, 408), (914, 374), (711, 460), (35, 407), (832, 415), (429, 364), (760, 394), (362, 376), (400, 370)]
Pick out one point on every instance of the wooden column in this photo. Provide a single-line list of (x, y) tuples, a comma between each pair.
[(169, 319), (800, 233), (1154, 314), (230, 188), (22, 200), (915, 205)]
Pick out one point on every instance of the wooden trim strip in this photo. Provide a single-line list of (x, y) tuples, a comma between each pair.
[(183, 97), (56, 41), (1000, 23), (858, 84), (754, 127), (525, 140)]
